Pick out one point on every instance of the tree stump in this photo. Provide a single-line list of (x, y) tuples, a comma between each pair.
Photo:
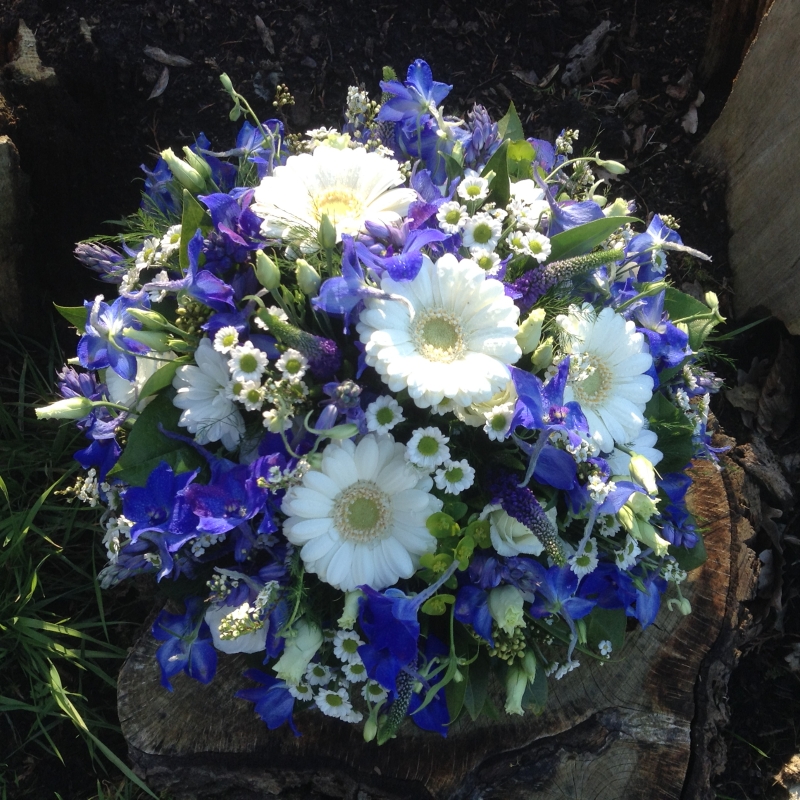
[(640, 726)]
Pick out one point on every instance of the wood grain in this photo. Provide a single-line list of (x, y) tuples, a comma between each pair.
[(616, 730)]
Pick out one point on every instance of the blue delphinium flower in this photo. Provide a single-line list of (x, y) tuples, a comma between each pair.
[(417, 96), (187, 647), (236, 230), (669, 345), (105, 343), (646, 249), (472, 608), (274, 702), (159, 190)]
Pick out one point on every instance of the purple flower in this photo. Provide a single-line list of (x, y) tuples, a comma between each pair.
[(105, 261), (413, 98), (274, 702)]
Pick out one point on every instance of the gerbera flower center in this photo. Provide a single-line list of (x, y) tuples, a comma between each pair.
[(338, 204), (595, 387), (438, 335), (362, 513)]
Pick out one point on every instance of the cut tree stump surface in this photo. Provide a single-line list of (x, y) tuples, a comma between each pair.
[(636, 727)]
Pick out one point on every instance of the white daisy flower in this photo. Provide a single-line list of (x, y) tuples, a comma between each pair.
[(292, 364), (498, 421), (247, 362), (155, 294), (348, 186), (626, 557), (318, 675), (539, 246), (356, 672), (383, 414), (360, 518), (334, 703), (252, 394), (454, 477), (345, 646), (171, 241), (226, 339), (473, 188), (487, 260), (457, 343), (206, 411), (301, 691), (584, 559), (609, 359), (482, 230), (150, 254), (427, 448), (452, 217), (517, 241), (373, 692)]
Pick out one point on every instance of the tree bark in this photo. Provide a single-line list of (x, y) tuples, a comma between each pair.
[(640, 726)]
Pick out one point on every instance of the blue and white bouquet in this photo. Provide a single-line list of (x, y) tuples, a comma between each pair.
[(400, 408)]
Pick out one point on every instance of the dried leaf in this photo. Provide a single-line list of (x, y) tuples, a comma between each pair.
[(626, 100), (777, 402), (528, 77), (744, 397), (161, 84), (266, 37), (157, 54)]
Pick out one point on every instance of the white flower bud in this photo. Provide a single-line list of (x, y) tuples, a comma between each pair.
[(530, 331), (299, 650), (198, 162), (186, 175), (327, 233), (267, 272), (505, 606), (68, 408), (543, 355), (641, 470), (516, 683), (153, 339), (614, 167), (307, 278), (350, 613)]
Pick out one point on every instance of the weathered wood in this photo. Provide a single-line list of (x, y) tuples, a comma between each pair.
[(754, 144), (622, 729)]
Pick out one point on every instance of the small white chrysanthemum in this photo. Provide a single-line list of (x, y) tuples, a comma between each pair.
[(455, 337), (275, 422), (360, 518), (608, 525), (356, 673), (150, 254), (155, 294), (584, 560), (301, 691), (334, 703), (247, 362), (539, 246), (605, 648), (345, 646), (487, 260), (626, 557), (473, 188), (206, 411), (454, 477), (292, 364), (318, 675), (373, 692), (607, 373), (498, 421), (349, 186), (599, 489), (482, 230), (517, 242), (226, 339), (427, 448), (452, 217), (383, 414), (252, 394), (171, 241)]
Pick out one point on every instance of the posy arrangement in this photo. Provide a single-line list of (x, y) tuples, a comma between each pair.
[(398, 407)]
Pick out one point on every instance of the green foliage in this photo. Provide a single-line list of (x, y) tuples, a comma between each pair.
[(75, 315), (510, 126), (606, 624), (194, 217), (500, 187), (674, 433), (584, 238)]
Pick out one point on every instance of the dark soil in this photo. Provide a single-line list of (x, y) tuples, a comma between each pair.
[(82, 145)]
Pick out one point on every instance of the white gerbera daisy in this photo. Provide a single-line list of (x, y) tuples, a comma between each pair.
[(609, 359), (383, 414), (247, 362), (457, 343), (348, 186), (207, 412), (452, 217), (454, 477), (360, 518), (482, 230), (427, 448)]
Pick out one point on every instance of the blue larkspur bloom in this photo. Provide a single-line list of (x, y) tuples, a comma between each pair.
[(273, 701), (108, 263), (413, 98)]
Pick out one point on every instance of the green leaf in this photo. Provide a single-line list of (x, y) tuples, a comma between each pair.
[(147, 447), (584, 238), (674, 433), (455, 692), (520, 157), (605, 623), (194, 217), (75, 315), (455, 508), (510, 126), (477, 688), (454, 161), (535, 697), (163, 376), (500, 188), (690, 559), (698, 317)]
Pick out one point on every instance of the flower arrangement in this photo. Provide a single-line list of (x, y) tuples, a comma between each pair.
[(398, 408)]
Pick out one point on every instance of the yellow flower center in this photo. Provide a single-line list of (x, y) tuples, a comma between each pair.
[(339, 204), (595, 388), (362, 513), (438, 336)]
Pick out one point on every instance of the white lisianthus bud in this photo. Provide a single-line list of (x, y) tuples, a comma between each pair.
[(350, 613), (267, 272), (530, 331), (186, 175), (516, 683), (529, 665), (543, 355), (153, 339), (197, 162), (226, 82), (614, 167), (510, 537), (307, 278), (299, 650), (151, 320), (327, 233), (642, 472), (505, 606), (345, 431), (68, 408)]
